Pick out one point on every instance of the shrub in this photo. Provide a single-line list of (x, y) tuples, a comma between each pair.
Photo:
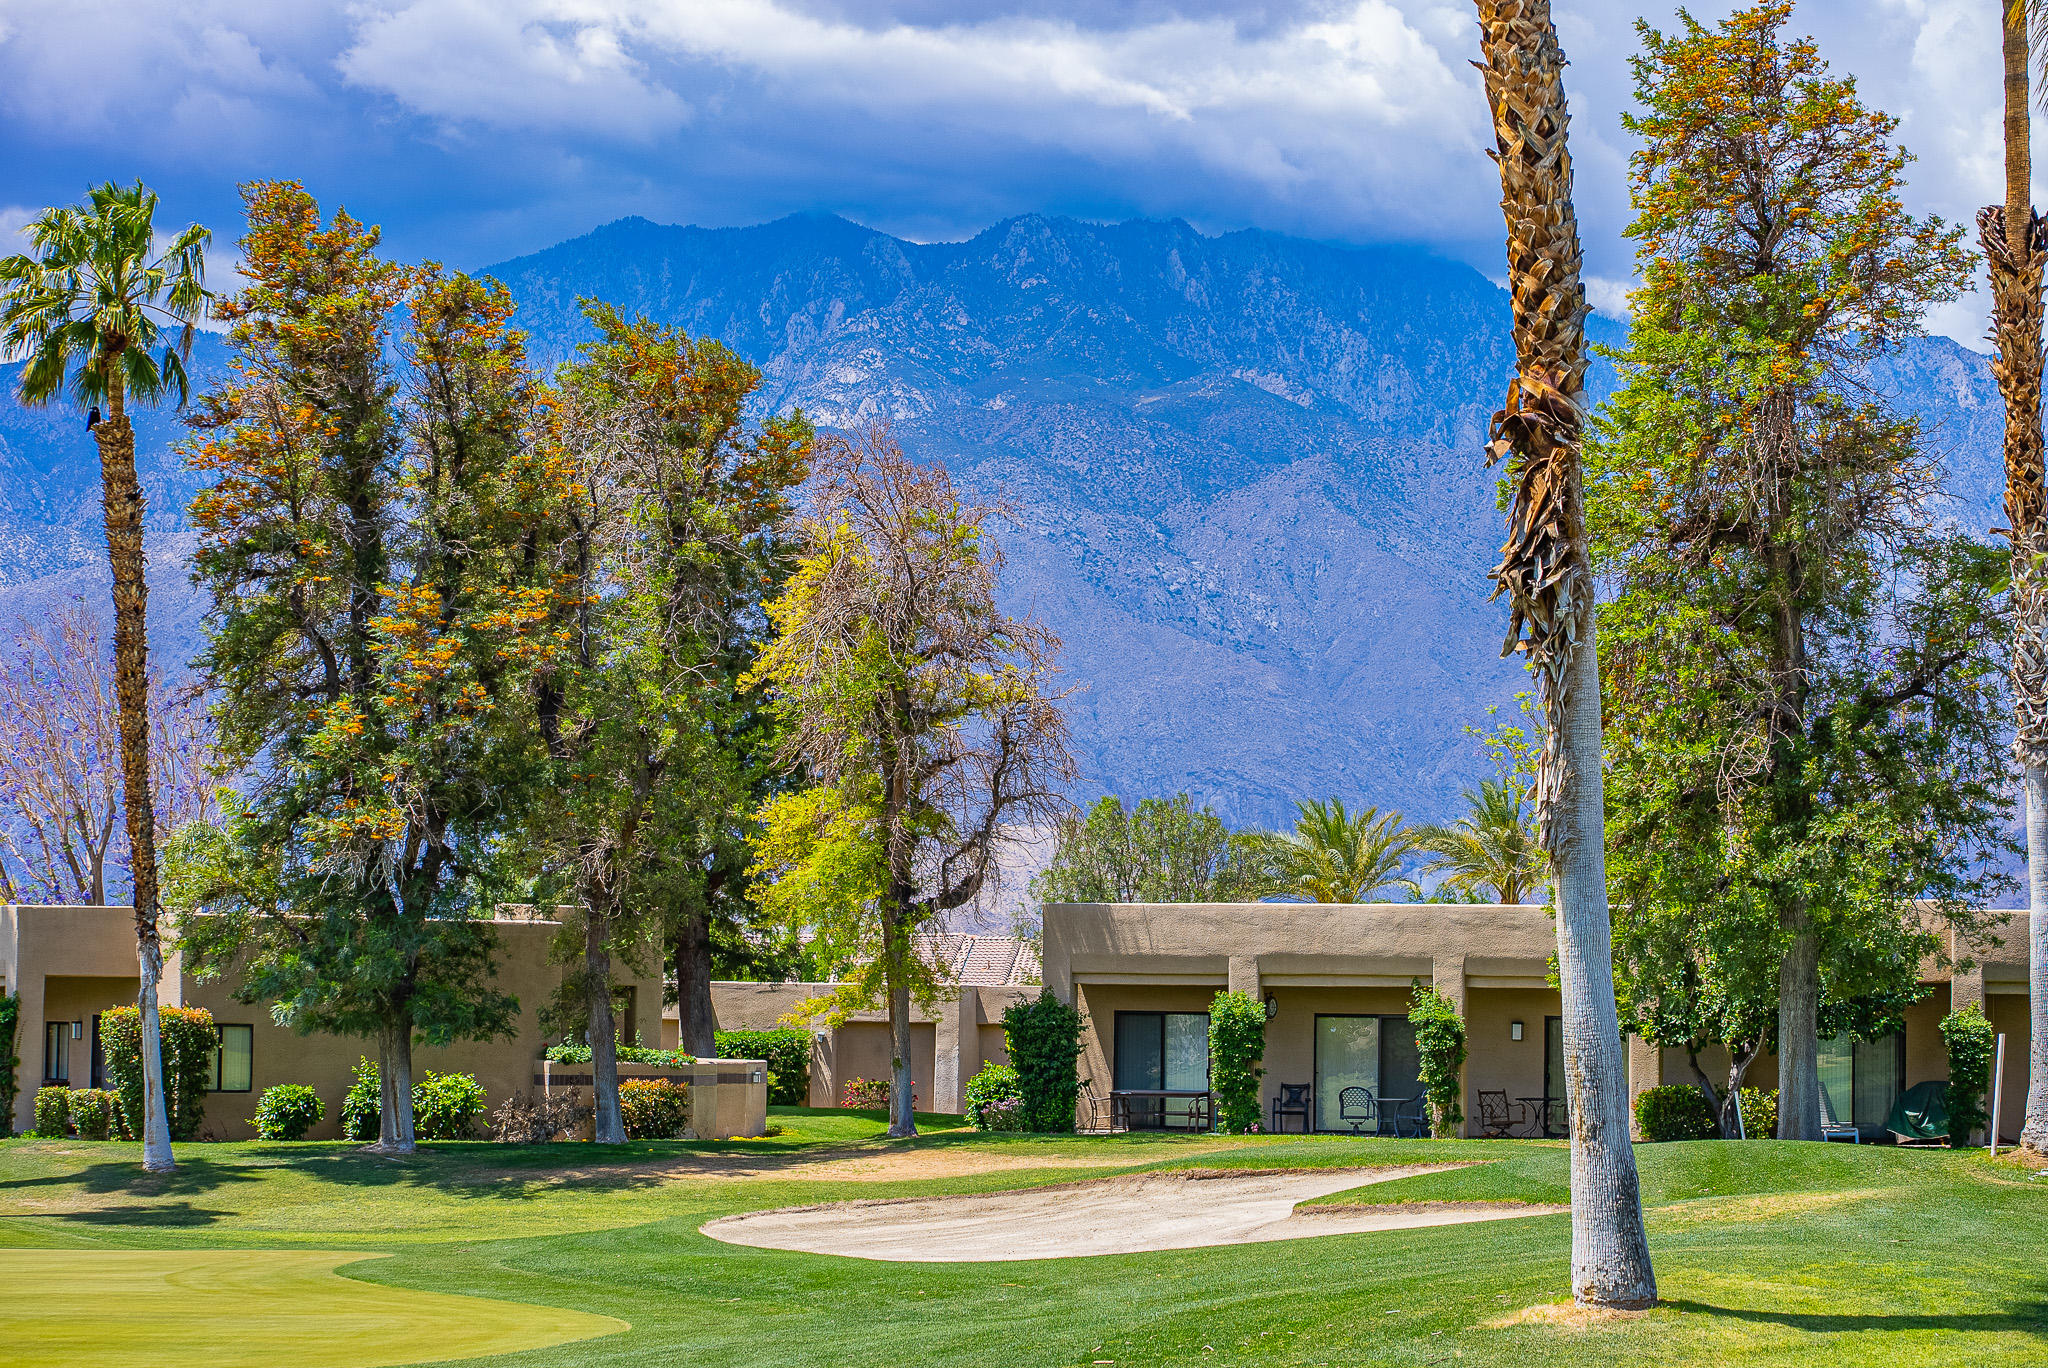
[(53, 1113), (1675, 1111), (190, 1042), (1440, 1045), (994, 1100), (10, 1081), (92, 1112), (1044, 1036), (1237, 1042), (867, 1094), (654, 1108), (1971, 1044), (1760, 1113), (788, 1052), (362, 1108), (537, 1118), (288, 1111), (445, 1106), (627, 1054)]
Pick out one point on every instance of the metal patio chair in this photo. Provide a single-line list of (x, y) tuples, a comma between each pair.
[(1295, 1099), (1498, 1117), (1356, 1107)]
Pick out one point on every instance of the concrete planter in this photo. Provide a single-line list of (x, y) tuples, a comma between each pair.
[(728, 1097)]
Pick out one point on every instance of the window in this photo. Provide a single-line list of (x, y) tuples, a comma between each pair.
[(1376, 1053), (1162, 1051), (56, 1052), (1862, 1079), (231, 1060), (1554, 1122)]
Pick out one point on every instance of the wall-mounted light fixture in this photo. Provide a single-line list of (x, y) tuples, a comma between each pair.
[(1514, 1030), (1272, 1007)]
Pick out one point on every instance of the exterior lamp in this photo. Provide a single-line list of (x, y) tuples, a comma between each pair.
[(756, 1078), (1514, 1030), (1272, 1007)]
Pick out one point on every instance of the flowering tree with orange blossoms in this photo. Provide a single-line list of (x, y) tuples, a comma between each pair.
[(370, 541)]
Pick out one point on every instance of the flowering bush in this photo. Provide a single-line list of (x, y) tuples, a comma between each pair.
[(654, 1108), (870, 1094), (995, 1099)]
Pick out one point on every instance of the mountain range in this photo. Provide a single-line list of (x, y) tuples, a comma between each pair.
[(1244, 470)]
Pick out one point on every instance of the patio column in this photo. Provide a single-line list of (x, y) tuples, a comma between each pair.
[(1967, 987), (1244, 974), (1447, 976), (954, 1027)]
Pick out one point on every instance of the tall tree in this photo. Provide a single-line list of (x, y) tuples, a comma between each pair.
[(1801, 688), (1165, 850), (921, 714), (369, 543), (2015, 249), (1547, 577), (61, 835), (653, 745), (1333, 856), (1494, 847), (90, 304)]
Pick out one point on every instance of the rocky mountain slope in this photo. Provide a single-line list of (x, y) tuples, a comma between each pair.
[(1245, 469)]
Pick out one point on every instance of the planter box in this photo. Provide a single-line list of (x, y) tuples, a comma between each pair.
[(728, 1097)]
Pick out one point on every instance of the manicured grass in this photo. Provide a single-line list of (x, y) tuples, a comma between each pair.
[(232, 1308), (1766, 1253)]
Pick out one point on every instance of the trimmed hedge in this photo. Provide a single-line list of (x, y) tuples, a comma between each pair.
[(288, 1111), (627, 1054), (994, 1101), (53, 1113), (788, 1052), (1044, 1037), (654, 1108), (190, 1041), (1237, 1044), (92, 1113), (1440, 1045), (1675, 1111), (10, 1062)]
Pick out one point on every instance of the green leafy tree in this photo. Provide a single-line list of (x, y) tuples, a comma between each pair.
[(368, 543), (1801, 682), (1165, 850), (1332, 856), (88, 306), (654, 751), (921, 715)]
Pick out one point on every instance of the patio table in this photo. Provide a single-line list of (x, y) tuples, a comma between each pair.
[(1539, 1108), (1120, 1101), (1390, 1112)]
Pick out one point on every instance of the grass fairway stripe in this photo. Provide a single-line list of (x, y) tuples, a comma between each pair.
[(249, 1308)]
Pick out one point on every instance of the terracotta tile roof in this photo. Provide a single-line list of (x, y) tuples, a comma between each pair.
[(978, 961)]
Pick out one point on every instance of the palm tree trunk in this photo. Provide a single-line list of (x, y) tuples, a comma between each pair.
[(1546, 574), (609, 1126), (2015, 248), (121, 494)]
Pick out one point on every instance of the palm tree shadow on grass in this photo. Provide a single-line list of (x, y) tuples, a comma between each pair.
[(2028, 1315), (190, 1177)]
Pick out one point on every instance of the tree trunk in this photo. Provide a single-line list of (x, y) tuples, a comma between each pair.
[(1799, 1031), (610, 1128), (2013, 251), (2034, 1131), (121, 495), (1610, 1249), (691, 950), (902, 1087), (394, 1079)]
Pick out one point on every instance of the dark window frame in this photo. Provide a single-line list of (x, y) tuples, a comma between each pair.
[(62, 1051), (220, 1056), (1555, 1101)]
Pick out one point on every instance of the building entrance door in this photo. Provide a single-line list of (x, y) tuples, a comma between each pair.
[(1347, 1056)]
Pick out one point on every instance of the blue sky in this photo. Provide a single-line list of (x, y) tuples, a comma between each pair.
[(474, 130)]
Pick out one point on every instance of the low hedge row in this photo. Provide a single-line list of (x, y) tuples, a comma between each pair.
[(788, 1052)]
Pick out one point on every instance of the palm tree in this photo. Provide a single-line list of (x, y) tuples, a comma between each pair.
[(1494, 846), (2015, 246), (90, 304), (1333, 857), (1547, 575)]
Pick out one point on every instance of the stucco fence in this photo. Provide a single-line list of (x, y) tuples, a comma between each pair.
[(728, 1097)]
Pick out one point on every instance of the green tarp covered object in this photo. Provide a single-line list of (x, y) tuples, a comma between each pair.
[(1921, 1113)]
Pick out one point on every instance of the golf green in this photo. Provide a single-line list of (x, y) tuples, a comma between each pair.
[(249, 1308)]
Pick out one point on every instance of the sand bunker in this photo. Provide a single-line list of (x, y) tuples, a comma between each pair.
[(1129, 1215)]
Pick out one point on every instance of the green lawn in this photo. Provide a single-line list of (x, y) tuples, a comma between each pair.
[(1766, 1254)]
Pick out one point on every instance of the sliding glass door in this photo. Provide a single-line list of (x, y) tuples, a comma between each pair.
[(1863, 1080), (1376, 1053), (1162, 1051)]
